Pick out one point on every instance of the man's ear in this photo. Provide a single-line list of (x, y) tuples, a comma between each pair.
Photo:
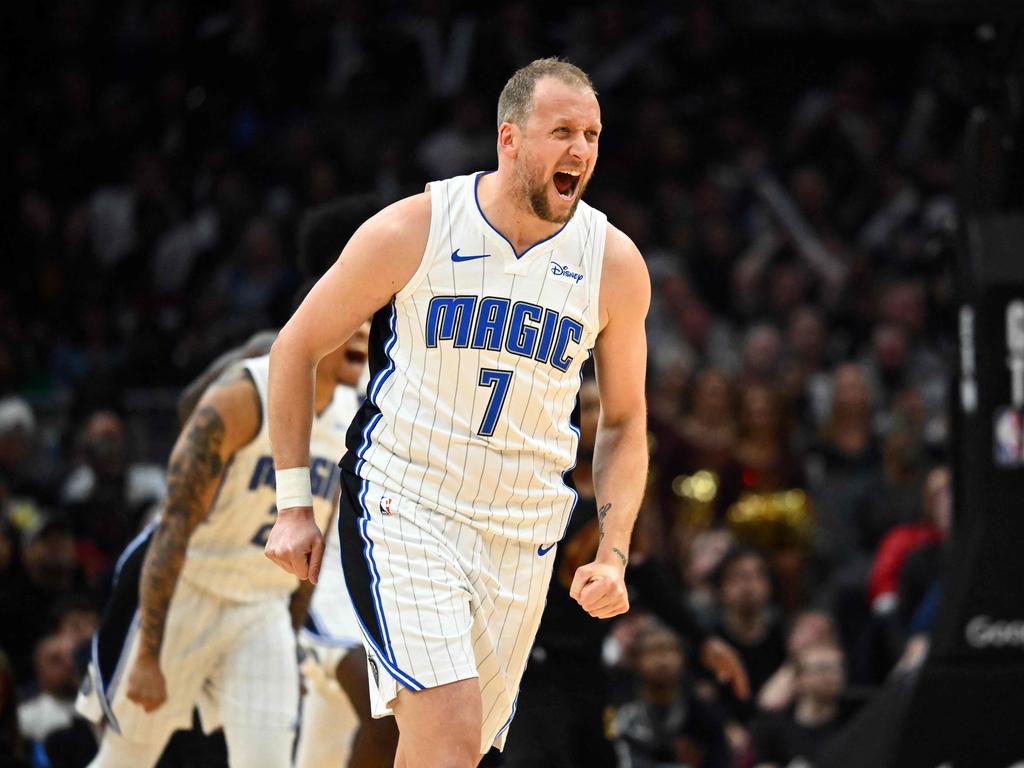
[(509, 138)]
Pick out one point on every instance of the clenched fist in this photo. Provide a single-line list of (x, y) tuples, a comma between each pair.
[(600, 589), (296, 544), (146, 684)]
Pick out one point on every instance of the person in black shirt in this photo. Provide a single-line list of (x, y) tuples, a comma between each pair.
[(668, 726), (560, 713), (795, 737), (748, 620)]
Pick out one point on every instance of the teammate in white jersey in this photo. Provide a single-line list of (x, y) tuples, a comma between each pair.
[(211, 627), (488, 294)]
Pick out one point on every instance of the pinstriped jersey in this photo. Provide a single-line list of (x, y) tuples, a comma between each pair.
[(476, 369), (225, 554)]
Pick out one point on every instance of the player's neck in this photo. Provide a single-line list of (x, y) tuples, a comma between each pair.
[(507, 212)]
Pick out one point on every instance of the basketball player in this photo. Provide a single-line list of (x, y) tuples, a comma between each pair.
[(336, 726), (211, 626), (488, 292)]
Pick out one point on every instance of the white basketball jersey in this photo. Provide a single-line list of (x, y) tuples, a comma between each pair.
[(225, 554), (476, 369)]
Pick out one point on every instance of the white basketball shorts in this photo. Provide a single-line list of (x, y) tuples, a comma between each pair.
[(439, 601)]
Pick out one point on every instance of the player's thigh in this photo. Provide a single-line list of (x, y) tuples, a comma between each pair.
[(257, 682), (259, 747), (409, 590), (442, 723)]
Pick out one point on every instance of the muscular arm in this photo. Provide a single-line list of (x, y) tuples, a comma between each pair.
[(620, 451), (376, 263), (227, 418)]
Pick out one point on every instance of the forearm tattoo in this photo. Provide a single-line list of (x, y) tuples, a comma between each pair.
[(190, 475), (602, 513)]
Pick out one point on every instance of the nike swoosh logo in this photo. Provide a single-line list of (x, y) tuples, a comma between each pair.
[(456, 257), (542, 550)]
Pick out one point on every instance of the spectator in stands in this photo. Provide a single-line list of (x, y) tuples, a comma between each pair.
[(667, 726), (53, 707), (750, 622), (109, 496), (764, 460), (13, 751), (20, 476), (809, 627), (903, 540), (794, 737), (48, 571)]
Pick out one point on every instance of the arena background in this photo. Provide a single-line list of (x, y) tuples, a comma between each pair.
[(791, 172)]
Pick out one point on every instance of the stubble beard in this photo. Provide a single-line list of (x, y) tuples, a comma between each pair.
[(533, 191)]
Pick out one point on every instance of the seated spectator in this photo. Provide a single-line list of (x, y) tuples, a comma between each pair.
[(808, 628), (667, 726), (794, 737), (53, 707), (13, 752), (748, 620), (903, 540), (763, 458), (47, 572), (19, 475), (108, 495)]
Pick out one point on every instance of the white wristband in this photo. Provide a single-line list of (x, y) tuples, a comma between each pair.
[(293, 488)]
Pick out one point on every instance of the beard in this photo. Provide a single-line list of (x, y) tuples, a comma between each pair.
[(533, 190)]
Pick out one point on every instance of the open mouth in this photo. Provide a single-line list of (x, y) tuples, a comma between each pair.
[(566, 183), (355, 357)]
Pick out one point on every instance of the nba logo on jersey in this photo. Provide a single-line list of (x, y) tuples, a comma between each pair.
[(385, 505)]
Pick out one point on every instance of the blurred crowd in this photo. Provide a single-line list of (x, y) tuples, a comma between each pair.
[(787, 174)]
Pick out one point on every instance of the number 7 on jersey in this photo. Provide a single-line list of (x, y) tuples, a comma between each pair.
[(498, 381)]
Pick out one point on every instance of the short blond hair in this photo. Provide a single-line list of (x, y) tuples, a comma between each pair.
[(516, 100)]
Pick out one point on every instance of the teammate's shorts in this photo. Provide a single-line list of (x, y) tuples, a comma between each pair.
[(439, 601), (235, 661)]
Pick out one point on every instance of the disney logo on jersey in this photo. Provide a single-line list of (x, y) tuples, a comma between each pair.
[(564, 270)]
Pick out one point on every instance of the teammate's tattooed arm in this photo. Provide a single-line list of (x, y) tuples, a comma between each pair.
[(226, 418)]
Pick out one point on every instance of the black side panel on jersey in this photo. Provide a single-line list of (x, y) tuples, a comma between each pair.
[(380, 331), (354, 562), (120, 609)]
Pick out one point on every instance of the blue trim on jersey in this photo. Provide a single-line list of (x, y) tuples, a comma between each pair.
[(378, 604), (391, 669), (367, 430), (100, 688), (476, 197), (133, 545), (382, 375), (387, 659), (576, 430), (316, 632), (508, 722)]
